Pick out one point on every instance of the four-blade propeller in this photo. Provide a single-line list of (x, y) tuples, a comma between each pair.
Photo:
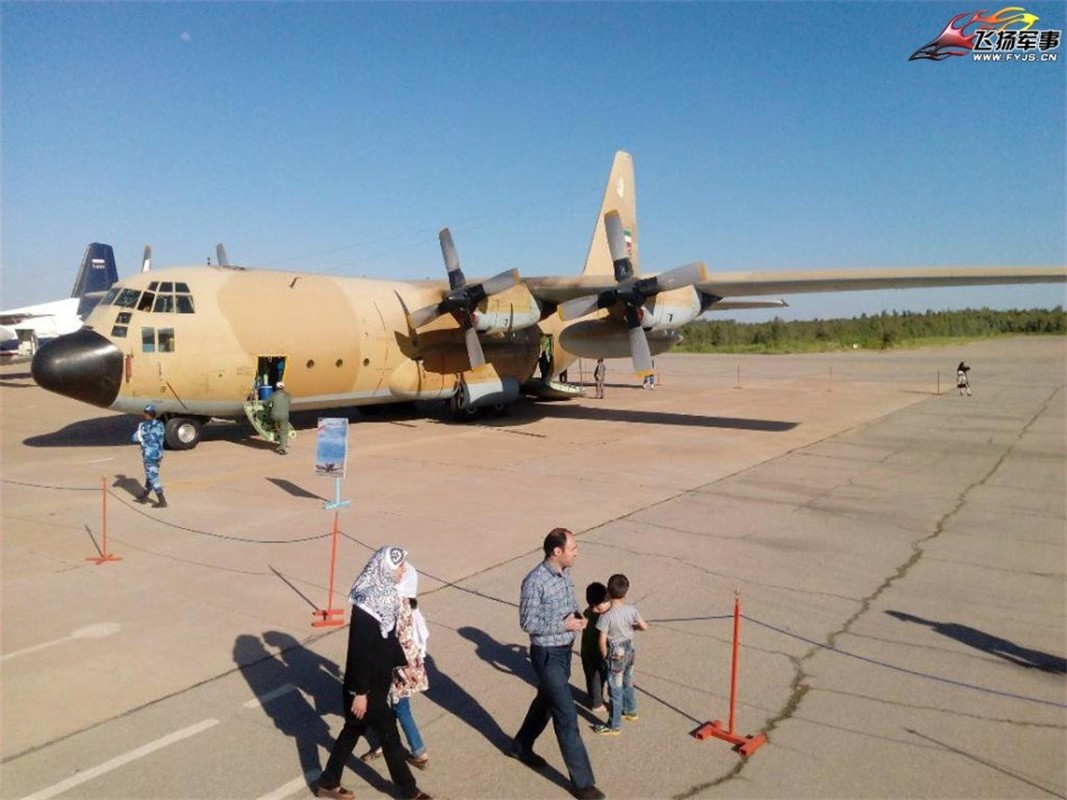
[(631, 293), (462, 299)]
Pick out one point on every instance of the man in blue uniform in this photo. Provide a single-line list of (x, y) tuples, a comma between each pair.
[(150, 434)]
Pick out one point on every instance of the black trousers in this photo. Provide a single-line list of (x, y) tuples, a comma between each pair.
[(382, 720)]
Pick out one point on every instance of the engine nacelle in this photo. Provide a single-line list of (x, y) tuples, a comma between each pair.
[(495, 391), (608, 338), (508, 311), (669, 310)]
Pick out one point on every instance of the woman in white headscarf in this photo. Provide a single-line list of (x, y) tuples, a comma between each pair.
[(373, 653)]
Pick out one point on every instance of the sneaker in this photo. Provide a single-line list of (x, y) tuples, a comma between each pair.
[(632, 717), (588, 793), (527, 757), (605, 730)]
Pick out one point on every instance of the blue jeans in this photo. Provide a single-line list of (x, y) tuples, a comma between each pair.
[(621, 680), (553, 700), (407, 724)]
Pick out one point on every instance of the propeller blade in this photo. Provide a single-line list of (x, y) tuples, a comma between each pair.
[(578, 307), (501, 282), (146, 262), (422, 316), (448, 250), (639, 352), (681, 276), (474, 348), (620, 256), (220, 255)]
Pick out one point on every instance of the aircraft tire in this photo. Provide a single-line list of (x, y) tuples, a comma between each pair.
[(182, 433), (462, 413)]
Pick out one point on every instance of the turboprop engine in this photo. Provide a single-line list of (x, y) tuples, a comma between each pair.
[(609, 338), (670, 310)]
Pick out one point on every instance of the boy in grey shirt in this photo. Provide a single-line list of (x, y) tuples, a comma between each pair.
[(616, 627)]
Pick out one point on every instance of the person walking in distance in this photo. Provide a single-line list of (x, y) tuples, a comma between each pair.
[(548, 612), (599, 374), (280, 403), (963, 382), (150, 434)]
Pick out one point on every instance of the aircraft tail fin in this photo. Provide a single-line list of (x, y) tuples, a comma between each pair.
[(620, 195), (96, 275)]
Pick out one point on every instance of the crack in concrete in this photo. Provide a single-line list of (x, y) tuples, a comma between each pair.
[(799, 687)]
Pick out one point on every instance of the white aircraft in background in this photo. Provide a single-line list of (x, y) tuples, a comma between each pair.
[(202, 342), (23, 330)]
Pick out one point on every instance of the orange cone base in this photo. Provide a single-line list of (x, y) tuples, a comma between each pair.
[(98, 560), (745, 745), (326, 618)]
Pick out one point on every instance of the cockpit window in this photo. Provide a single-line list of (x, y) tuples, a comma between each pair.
[(146, 302), (127, 298), (110, 296), (153, 286), (181, 287), (185, 302), (164, 304), (166, 286)]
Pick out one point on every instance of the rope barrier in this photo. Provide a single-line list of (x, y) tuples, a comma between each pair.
[(446, 584)]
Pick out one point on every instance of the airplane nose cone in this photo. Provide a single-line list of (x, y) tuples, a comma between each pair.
[(82, 365)]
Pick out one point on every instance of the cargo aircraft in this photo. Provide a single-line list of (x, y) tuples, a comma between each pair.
[(202, 342)]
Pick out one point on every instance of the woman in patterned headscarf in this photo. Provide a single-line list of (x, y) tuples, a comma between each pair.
[(373, 653)]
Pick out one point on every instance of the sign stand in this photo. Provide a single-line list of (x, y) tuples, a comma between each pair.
[(745, 745), (104, 556), (331, 458)]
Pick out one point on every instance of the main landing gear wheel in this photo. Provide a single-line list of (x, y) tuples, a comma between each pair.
[(182, 433), (462, 413)]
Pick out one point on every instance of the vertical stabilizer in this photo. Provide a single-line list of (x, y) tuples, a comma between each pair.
[(620, 195), (98, 272)]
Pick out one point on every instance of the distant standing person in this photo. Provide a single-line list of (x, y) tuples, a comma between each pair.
[(617, 626), (963, 383), (599, 374), (150, 434), (548, 612), (279, 414), (373, 652)]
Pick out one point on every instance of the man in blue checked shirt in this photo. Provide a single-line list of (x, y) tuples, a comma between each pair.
[(548, 612)]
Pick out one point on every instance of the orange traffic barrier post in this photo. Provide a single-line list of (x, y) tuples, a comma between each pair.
[(104, 556), (745, 745), (327, 617)]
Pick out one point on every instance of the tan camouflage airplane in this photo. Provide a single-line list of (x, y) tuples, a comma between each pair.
[(202, 342)]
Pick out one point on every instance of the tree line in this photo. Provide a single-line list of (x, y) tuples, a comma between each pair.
[(878, 332)]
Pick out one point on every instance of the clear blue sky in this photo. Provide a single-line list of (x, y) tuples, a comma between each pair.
[(340, 137)]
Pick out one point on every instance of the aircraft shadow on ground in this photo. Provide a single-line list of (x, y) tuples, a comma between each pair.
[(300, 714), (987, 643), (118, 429)]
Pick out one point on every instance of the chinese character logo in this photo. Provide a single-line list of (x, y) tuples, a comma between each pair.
[(1007, 30)]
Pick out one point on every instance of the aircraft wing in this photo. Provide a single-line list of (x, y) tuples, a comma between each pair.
[(741, 284)]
